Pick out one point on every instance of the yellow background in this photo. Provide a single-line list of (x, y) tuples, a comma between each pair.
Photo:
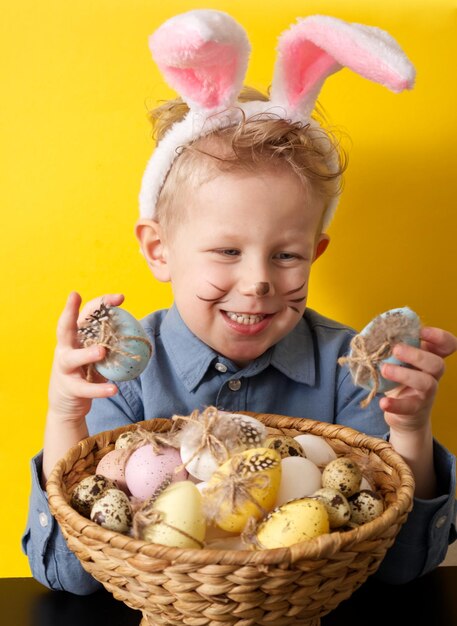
[(76, 79)]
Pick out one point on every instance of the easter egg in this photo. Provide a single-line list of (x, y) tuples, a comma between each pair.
[(401, 325), (296, 521), (338, 509), (125, 440), (112, 511), (146, 471), (87, 491), (245, 486), (112, 466), (285, 445), (316, 448), (128, 348), (178, 519), (342, 474), (300, 477), (365, 506), (235, 431)]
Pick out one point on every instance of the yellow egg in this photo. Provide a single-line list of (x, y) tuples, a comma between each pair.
[(293, 522), (177, 517), (243, 487)]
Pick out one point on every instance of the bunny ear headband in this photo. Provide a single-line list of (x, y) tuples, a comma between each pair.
[(203, 55)]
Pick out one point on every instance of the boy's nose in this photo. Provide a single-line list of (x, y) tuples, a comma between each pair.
[(259, 289)]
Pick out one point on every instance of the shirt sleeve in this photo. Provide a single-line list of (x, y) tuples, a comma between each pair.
[(51, 562), (423, 540)]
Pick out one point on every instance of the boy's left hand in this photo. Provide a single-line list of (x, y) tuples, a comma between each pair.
[(408, 406)]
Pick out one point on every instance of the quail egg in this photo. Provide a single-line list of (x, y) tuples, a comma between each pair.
[(342, 474), (112, 511), (88, 491), (285, 445), (125, 440), (338, 509), (365, 505)]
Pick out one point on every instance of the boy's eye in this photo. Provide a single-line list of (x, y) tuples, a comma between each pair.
[(285, 256), (229, 252)]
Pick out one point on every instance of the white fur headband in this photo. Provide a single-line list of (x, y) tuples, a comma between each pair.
[(203, 55)]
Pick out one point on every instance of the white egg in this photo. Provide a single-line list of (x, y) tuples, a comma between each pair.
[(316, 448), (202, 466), (300, 477), (246, 432)]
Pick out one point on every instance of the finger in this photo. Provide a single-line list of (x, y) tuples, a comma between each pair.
[(66, 325), (401, 406), (420, 359), (72, 360), (415, 379), (80, 388), (438, 341), (110, 299)]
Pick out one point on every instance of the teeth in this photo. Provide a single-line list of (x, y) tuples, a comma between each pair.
[(243, 318)]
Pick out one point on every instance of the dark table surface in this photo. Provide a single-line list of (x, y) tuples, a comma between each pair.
[(428, 601)]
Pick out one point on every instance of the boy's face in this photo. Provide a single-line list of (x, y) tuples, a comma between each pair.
[(239, 264)]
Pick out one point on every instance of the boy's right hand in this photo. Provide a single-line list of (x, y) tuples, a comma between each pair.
[(70, 394)]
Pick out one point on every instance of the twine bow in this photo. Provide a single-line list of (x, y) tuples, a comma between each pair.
[(207, 423), (365, 364), (234, 489), (142, 437), (99, 330)]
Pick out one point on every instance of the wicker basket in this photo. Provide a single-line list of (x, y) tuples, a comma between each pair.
[(295, 585)]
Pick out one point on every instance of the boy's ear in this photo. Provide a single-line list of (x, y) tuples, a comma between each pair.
[(149, 234), (321, 246)]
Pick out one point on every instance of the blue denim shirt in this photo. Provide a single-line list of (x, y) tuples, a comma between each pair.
[(298, 377)]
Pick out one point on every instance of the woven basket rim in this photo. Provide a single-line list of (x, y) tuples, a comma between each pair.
[(317, 548)]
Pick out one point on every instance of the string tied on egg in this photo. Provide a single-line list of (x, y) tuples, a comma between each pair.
[(148, 516), (100, 329), (203, 427), (365, 364), (249, 534), (142, 437), (234, 489)]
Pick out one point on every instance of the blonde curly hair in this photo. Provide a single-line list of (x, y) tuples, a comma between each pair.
[(260, 142)]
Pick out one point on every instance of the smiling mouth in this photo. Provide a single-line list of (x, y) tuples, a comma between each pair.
[(245, 318)]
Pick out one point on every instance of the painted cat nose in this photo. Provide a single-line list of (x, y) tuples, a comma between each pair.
[(261, 289)]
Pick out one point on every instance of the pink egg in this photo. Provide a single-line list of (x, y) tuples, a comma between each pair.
[(112, 466), (146, 471)]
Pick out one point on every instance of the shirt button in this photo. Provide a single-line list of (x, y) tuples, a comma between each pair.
[(43, 519), (221, 367), (234, 385), (441, 521)]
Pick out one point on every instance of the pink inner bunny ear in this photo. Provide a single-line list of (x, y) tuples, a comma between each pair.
[(318, 46), (203, 55)]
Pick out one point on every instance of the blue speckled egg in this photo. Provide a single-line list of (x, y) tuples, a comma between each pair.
[(128, 348), (400, 325)]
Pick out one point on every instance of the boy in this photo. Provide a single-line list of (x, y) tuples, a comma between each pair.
[(234, 219)]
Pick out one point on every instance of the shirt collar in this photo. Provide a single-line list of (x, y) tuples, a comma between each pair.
[(191, 358)]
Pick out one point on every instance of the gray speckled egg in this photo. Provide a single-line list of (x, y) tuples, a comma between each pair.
[(365, 505), (88, 491), (113, 511), (338, 509), (285, 445), (125, 440), (342, 474)]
